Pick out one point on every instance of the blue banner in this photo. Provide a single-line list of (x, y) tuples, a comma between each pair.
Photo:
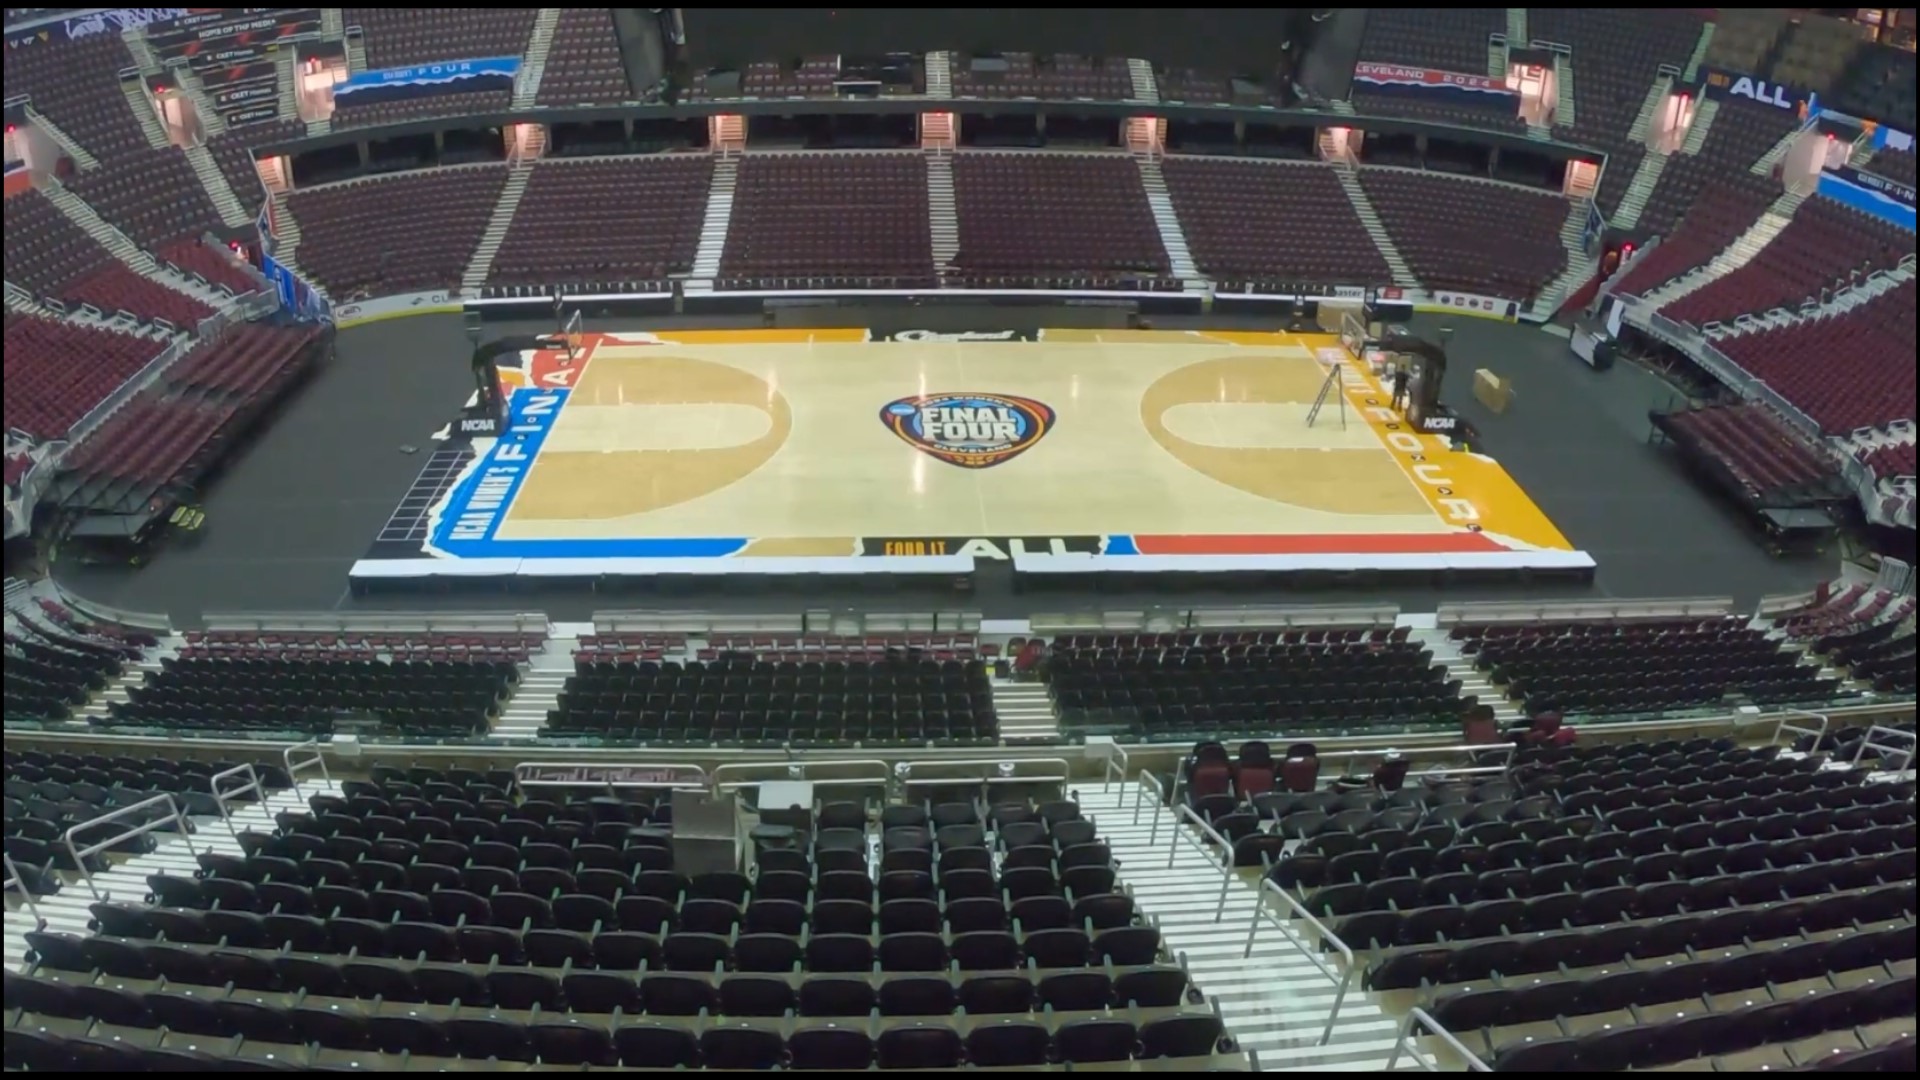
[(1871, 195), (1721, 83), (451, 77)]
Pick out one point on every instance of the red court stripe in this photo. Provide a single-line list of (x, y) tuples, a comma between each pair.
[(1352, 544)]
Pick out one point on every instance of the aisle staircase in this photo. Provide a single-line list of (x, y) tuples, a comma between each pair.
[(117, 243), (356, 54), (1145, 87), (939, 74), (1496, 57), (1702, 127), (1274, 999), (82, 159), (67, 911), (1563, 114), (1646, 177), (118, 692), (138, 100), (1370, 218), (943, 216), (526, 85), (1649, 108), (1699, 55), (545, 675), (1172, 237), (1473, 682), (1763, 166), (232, 214), (1738, 254), (333, 22), (1516, 24), (1024, 712), (1579, 266), (481, 264), (719, 217), (285, 97), (288, 240)]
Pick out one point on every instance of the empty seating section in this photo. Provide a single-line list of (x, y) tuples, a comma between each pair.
[(404, 37), (1815, 50), (1630, 906), (1878, 82), (747, 694), (937, 936), (1450, 39), (55, 661), (1443, 227), (1191, 87), (149, 441), (1873, 641), (1727, 207), (45, 250), (583, 64), (47, 794), (1888, 461), (432, 686), (1767, 458), (1602, 668), (246, 362), (1896, 165), (1266, 227), (1055, 220), (351, 113), (214, 265), (1741, 134), (1492, 115), (559, 235), (409, 233), (1616, 56), (151, 195), (233, 152), (76, 84), (57, 372), (812, 76), (1742, 38), (1024, 75), (824, 220), (1174, 687), (1825, 247), (116, 287), (1848, 371)]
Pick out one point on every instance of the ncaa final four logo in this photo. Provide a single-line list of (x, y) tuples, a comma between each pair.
[(973, 431)]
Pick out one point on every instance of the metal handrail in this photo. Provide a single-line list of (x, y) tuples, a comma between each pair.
[(16, 878), (1147, 779), (293, 768), (905, 769), (882, 773), (1297, 910), (1867, 743), (1207, 832), (1819, 734), (1108, 767), (221, 799), (1419, 1018), (80, 854)]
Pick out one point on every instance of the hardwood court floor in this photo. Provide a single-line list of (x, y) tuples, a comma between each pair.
[(783, 439)]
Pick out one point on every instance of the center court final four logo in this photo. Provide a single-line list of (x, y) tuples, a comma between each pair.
[(973, 431)]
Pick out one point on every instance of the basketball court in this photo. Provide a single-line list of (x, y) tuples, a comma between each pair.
[(783, 451)]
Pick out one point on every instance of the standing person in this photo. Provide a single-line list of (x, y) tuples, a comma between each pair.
[(1400, 387)]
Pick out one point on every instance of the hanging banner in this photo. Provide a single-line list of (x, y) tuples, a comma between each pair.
[(1881, 198), (81, 27), (1720, 83), (1433, 85), (454, 76)]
